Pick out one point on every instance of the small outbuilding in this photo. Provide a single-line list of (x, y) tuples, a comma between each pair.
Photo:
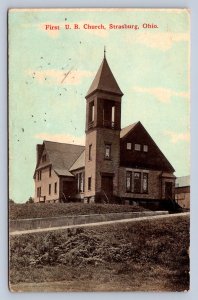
[(182, 191)]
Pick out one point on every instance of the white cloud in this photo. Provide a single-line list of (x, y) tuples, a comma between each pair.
[(61, 138), (178, 137), (160, 40), (59, 76), (161, 94)]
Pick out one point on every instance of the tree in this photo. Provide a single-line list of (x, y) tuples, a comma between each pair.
[(30, 200), (11, 201)]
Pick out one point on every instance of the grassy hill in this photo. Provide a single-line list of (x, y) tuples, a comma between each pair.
[(42, 210), (147, 255)]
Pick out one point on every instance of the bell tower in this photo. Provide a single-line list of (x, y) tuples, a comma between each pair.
[(103, 125)]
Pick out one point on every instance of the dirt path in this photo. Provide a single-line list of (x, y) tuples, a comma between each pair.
[(90, 286), (99, 223)]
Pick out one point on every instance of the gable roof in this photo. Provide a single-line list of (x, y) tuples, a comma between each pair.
[(66, 158), (104, 80), (183, 181), (155, 157), (62, 156), (79, 163), (124, 131)]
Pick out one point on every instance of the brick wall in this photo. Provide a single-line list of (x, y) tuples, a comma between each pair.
[(103, 165), (154, 185), (90, 169), (97, 138)]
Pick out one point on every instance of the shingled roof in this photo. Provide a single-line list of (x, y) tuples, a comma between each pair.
[(127, 129), (104, 80), (79, 163), (66, 158), (62, 156)]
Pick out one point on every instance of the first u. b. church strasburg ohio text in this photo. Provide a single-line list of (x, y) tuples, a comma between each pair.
[(115, 165)]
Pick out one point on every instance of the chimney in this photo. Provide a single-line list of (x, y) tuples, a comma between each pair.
[(39, 150)]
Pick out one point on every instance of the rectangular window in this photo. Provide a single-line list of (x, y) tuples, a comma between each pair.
[(145, 148), (92, 113), (39, 192), (55, 188), (137, 182), (113, 116), (107, 151), (83, 181), (49, 189), (137, 147), (50, 171), (39, 175), (80, 182), (145, 183), (90, 152), (129, 146), (89, 183), (128, 181)]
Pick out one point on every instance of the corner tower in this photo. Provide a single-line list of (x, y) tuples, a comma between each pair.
[(103, 125)]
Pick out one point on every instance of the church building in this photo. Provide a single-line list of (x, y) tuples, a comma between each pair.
[(116, 165)]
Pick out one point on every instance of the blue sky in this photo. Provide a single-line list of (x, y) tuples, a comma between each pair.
[(151, 67)]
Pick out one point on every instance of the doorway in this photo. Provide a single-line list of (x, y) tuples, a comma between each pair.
[(107, 185), (168, 190)]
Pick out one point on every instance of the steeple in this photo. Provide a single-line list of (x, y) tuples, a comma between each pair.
[(103, 125), (104, 80)]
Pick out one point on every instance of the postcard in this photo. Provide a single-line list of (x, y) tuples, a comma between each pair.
[(99, 149)]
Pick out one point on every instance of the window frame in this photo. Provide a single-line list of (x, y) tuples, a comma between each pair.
[(145, 148), (80, 178), (39, 192), (137, 145), (106, 147), (147, 177), (135, 184), (90, 152), (50, 171), (91, 111), (127, 144), (55, 187), (130, 173), (39, 175), (50, 189), (89, 183)]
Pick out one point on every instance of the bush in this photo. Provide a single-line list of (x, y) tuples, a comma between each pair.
[(157, 247)]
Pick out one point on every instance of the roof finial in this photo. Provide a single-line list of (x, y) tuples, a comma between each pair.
[(104, 51)]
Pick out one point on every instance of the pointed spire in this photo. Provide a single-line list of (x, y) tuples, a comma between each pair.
[(104, 80), (104, 51)]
